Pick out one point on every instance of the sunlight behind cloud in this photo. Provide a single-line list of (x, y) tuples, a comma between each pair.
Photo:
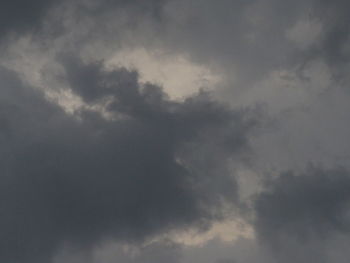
[(226, 231), (178, 76)]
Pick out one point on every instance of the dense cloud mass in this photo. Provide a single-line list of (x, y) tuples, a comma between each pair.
[(302, 212), (182, 131), (317, 203), (84, 178), (21, 16)]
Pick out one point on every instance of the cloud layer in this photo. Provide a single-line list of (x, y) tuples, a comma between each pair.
[(99, 165), (84, 179)]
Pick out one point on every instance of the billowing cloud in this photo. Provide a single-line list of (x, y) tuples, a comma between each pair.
[(299, 216), (139, 131), (153, 166)]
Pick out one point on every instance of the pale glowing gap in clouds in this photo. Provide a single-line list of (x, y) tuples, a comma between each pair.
[(174, 72)]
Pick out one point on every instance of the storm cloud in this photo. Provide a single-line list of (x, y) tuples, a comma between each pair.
[(83, 179), (18, 17), (300, 214), (182, 131)]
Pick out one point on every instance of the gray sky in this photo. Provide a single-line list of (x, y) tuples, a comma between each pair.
[(189, 131)]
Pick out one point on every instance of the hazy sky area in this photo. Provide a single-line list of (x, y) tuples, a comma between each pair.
[(174, 131)]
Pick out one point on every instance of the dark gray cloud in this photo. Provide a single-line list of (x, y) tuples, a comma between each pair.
[(155, 252), (83, 179), (152, 8), (300, 214), (336, 30), (132, 163), (22, 15)]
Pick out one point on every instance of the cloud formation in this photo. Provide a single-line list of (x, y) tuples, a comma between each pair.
[(99, 165), (85, 179), (301, 213), (19, 16)]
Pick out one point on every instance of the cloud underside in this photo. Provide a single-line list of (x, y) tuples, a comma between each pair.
[(154, 165), (99, 165)]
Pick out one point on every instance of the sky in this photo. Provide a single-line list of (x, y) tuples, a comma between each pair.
[(188, 131)]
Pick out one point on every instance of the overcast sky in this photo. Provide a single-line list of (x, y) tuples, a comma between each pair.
[(187, 131)]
